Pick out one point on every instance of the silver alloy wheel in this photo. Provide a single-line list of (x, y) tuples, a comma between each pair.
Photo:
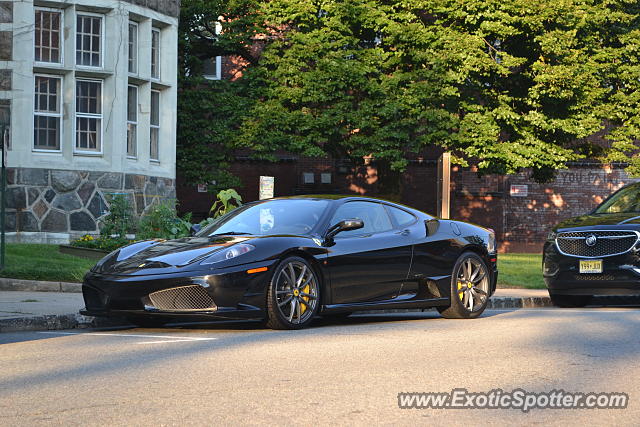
[(296, 292), (472, 284)]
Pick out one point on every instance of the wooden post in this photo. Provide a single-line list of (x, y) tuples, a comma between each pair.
[(444, 185)]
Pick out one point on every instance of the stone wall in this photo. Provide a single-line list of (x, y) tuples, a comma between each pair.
[(72, 202)]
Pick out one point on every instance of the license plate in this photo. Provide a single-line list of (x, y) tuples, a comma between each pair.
[(590, 266)]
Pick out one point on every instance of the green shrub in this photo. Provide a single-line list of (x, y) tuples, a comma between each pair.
[(120, 219), (161, 222), (104, 243), (227, 200)]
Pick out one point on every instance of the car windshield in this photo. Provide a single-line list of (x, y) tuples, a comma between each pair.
[(290, 216), (626, 200)]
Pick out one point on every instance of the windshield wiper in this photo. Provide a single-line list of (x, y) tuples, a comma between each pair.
[(230, 233)]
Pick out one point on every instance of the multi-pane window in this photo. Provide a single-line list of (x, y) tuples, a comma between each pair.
[(133, 47), (154, 139), (89, 115), (47, 40), (47, 113), (212, 67), (155, 53), (132, 121), (89, 41)]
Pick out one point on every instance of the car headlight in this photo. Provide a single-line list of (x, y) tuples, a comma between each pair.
[(552, 235), (229, 253)]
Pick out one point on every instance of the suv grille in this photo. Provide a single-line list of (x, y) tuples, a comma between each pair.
[(607, 243), (183, 298)]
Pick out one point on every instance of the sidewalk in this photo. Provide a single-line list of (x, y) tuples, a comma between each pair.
[(46, 310)]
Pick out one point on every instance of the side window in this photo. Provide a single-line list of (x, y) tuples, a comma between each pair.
[(402, 218), (373, 215)]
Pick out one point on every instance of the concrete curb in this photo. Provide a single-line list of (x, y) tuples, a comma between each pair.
[(38, 286), (55, 322), (78, 321)]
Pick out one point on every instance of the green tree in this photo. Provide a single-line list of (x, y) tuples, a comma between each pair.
[(506, 84), (509, 84), (210, 112)]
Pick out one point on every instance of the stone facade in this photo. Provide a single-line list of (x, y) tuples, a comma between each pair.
[(166, 7), (72, 202)]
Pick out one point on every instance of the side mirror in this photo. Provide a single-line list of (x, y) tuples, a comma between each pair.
[(432, 226), (195, 229), (344, 225)]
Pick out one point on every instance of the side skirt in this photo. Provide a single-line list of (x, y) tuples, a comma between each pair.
[(381, 305)]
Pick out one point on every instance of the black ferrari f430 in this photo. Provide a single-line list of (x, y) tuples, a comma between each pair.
[(287, 260)]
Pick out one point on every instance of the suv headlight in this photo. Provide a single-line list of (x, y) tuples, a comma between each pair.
[(552, 235), (229, 253)]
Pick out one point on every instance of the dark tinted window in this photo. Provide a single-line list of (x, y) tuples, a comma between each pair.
[(625, 200), (373, 215), (403, 218)]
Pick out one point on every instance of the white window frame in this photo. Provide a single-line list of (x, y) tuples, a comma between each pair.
[(137, 49), (102, 40), (88, 115), (37, 113), (60, 37), (154, 127), (132, 122), (158, 55), (218, 59)]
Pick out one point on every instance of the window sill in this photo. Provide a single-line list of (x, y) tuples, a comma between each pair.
[(45, 151), (93, 73), (46, 68), (87, 154)]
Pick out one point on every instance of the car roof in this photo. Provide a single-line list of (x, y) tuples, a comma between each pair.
[(345, 197)]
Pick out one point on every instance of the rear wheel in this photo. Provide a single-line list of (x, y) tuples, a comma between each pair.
[(293, 298), (570, 301), (469, 288)]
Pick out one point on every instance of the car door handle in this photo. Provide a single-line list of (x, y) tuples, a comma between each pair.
[(404, 232)]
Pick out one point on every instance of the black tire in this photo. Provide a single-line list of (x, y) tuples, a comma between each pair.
[(478, 296), (146, 322), (293, 313), (570, 301)]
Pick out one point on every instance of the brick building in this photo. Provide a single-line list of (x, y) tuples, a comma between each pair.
[(520, 210)]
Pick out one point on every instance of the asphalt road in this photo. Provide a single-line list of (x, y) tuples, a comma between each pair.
[(346, 372)]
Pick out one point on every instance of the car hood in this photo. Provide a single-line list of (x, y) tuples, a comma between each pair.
[(163, 254), (625, 219)]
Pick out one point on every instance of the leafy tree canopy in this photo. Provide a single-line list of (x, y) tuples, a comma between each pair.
[(508, 84)]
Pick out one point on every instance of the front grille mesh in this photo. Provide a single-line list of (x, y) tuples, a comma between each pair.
[(183, 298), (608, 243)]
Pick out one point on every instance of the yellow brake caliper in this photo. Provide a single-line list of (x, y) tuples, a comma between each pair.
[(303, 307), (461, 287)]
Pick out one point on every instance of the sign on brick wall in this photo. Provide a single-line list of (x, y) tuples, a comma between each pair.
[(266, 187), (519, 190)]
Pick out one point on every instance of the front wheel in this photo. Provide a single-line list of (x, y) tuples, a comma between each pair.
[(293, 298), (469, 288)]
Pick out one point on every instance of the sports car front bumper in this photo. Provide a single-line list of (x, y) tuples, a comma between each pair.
[(234, 292)]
